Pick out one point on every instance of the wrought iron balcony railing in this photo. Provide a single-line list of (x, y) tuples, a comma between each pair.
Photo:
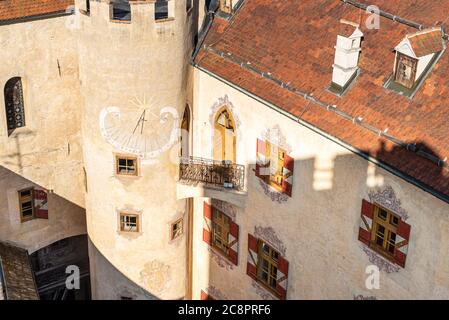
[(218, 173)]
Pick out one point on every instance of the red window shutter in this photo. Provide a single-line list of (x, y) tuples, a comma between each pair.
[(282, 278), (261, 160), (204, 295), (402, 238), (233, 242), (251, 265), (40, 203), (366, 222), (287, 173), (207, 226)]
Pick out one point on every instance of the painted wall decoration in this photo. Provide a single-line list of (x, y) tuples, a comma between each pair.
[(155, 276), (379, 261), (269, 235), (387, 199), (225, 207), (262, 292), (221, 261), (216, 293)]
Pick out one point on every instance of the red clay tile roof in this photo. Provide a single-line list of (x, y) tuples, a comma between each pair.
[(15, 9), (294, 41), (426, 42)]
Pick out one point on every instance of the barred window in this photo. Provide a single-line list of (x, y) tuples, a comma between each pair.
[(15, 111)]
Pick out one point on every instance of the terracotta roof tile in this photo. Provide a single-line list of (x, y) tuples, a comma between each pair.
[(294, 41), (15, 9), (426, 42)]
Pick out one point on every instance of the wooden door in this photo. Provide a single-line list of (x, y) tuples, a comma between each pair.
[(406, 70)]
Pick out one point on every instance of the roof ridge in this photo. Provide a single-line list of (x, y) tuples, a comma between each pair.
[(393, 17)]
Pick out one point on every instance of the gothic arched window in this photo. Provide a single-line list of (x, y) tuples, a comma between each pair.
[(15, 111)]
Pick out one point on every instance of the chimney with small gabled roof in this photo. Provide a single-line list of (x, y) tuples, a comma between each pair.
[(347, 52)]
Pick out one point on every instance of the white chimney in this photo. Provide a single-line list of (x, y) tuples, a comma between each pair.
[(347, 52)]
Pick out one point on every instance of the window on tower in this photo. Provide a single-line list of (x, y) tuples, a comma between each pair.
[(129, 222), (15, 111), (189, 5), (126, 165), (161, 9), (120, 10)]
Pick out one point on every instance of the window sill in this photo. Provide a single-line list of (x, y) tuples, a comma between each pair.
[(267, 288), (165, 20), (18, 132), (381, 252), (120, 21)]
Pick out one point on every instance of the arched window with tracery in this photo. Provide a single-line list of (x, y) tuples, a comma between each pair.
[(224, 136), (15, 110)]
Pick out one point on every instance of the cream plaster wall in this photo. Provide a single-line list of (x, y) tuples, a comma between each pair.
[(119, 63), (319, 224), (48, 150)]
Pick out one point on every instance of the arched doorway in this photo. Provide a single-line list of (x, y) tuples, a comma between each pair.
[(224, 136), (185, 133)]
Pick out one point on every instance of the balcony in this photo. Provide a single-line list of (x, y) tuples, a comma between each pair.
[(224, 174)]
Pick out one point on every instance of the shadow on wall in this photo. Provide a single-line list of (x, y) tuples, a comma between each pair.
[(113, 283), (325, 216), (15, 159), (37, 217)]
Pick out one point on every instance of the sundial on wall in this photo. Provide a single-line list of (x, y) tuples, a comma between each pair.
[(143, 129)]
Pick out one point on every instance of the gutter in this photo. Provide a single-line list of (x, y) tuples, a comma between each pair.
[(345, 145), (56, 14)]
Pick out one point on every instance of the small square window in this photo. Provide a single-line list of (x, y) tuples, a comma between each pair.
[(126, 166), (129, 222), (26, 204), (176, 229)]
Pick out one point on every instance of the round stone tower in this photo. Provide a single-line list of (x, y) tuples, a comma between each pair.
[(134, 62)]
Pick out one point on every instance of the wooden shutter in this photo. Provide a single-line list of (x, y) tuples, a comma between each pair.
[(287, 175), (366, 222), (207, 227), (282, 278), (40, 204), (251, 265), (233, 242), (262, 163), (402, 238), (204, 295)]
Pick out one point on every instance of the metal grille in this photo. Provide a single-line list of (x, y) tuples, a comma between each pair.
[(15, 112), (218, 173)]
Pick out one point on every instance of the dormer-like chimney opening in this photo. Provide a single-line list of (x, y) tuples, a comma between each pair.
[(347, 52), (415, 54)]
